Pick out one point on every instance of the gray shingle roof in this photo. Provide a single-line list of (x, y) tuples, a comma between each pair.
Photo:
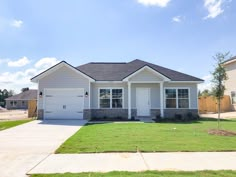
[(26, 95), (119, 71)]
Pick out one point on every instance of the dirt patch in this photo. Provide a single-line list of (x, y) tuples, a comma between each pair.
[(221, 132)]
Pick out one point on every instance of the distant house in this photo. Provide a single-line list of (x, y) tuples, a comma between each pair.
[(230, 84), (124, 90), (20, 101)]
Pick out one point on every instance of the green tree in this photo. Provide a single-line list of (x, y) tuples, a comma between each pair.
[(205, 92), (219, 77), (5, 94)]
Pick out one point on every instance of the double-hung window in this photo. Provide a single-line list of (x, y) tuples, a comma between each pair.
[(111, 98), (177, 98)]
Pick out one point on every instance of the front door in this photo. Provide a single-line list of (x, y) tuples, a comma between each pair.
[(143, 101)]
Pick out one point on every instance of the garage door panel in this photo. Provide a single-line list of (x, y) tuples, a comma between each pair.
[(64, 104)]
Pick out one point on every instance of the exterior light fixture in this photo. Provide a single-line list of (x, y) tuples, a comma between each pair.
[(86, 94), (40, 94)]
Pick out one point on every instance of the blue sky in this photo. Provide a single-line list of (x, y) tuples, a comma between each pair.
[(177, 34)]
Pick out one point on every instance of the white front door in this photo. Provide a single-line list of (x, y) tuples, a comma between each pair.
[(143, 101)]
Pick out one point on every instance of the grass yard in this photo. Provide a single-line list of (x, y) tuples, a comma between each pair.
[(8, 124), (145, 174), (150, 137)]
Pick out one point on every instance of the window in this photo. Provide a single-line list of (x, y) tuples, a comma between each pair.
[(105, 98), (111, 98), (233, 97), (23, 103), (177, 98), (170, 98), (13, 103), (183, 100)]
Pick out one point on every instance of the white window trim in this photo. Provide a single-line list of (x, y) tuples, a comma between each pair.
[(177, 104), (111, 88)]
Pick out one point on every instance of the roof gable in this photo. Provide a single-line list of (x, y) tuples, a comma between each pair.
[(56, 67), (146, 73)]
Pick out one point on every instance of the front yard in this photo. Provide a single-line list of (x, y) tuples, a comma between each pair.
[(8, 124), (146, 174), (150, 137)]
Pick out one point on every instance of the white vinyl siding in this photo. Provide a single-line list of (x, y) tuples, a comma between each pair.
[(145, 75)]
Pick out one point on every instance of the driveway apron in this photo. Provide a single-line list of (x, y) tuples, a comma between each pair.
[(25, 146)]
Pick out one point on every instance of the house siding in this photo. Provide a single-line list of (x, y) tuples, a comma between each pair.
[(230, 84), (145, 75), (63, 78)]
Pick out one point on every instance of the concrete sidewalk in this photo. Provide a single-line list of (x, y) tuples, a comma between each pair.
[(105, 162)]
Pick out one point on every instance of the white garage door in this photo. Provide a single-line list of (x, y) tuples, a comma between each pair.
[(63, 103)]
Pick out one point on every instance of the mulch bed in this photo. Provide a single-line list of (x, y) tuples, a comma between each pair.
[(221, 132)]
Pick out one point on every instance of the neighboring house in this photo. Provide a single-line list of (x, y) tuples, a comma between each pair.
[(230, 84), (134, 89), (20, 101)]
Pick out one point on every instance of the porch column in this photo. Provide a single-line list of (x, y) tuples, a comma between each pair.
[(162, 99), (129, 100)]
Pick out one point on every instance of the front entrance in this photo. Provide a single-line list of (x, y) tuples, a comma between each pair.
[(143, 101)]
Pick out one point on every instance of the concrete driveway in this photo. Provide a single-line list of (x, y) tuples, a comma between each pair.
[(223, 115), (24, 146)]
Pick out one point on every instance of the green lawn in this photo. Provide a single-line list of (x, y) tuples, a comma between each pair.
[(8, 124), (150, 137), (145, 174)]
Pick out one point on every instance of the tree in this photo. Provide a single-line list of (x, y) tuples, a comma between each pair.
[(219, 77), (5, 94), (205, 93), (24, 89)]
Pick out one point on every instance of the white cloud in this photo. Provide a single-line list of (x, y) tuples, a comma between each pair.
[(207, 83), (214, 8), (46, 62), (160, 3), (19, 63), (17, 23), (19, 79), (178, 19)]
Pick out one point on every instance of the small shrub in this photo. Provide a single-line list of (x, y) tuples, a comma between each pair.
[(119, 118), (158, 118), (189, 115), (178, 117)]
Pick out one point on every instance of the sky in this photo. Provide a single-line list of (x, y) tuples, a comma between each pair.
[(177, 34)]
